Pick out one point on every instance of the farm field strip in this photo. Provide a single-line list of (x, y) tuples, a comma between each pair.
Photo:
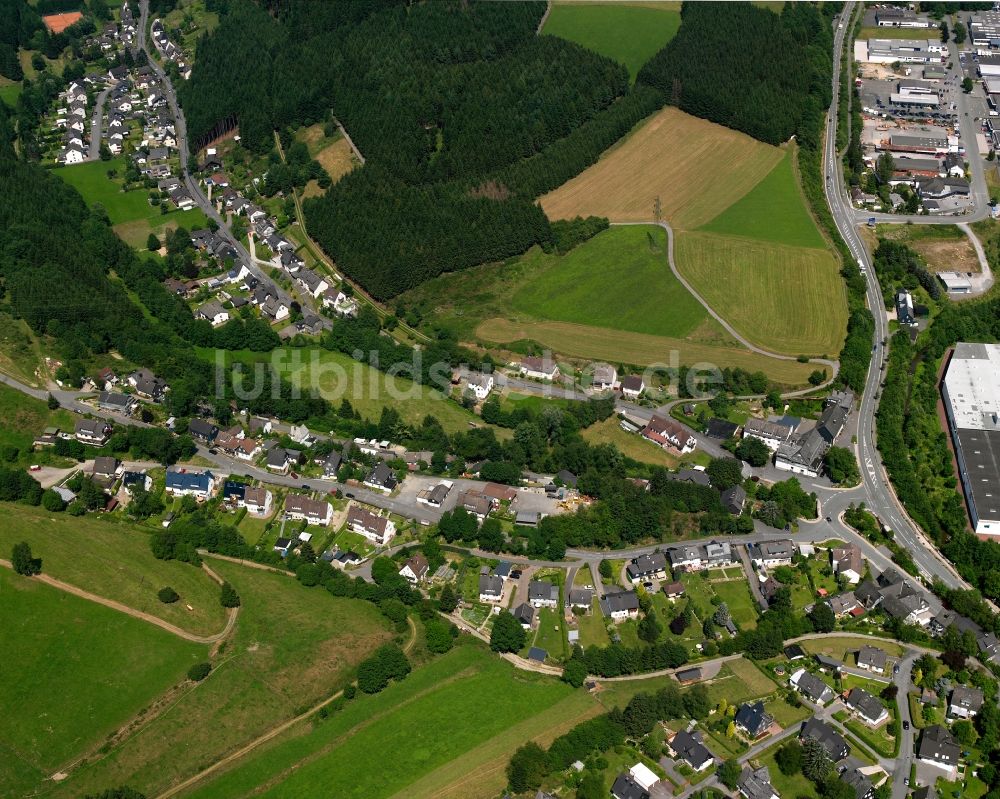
[(695, 167)]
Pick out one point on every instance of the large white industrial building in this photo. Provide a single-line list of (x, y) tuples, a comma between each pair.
[(971, 393)]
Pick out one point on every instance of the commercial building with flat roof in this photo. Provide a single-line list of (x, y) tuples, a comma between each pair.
[(971, 391), (984, 29), (905, 51)]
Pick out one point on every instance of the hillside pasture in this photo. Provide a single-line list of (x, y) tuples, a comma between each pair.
[(333, 153), (293, 646), (696, 168), (773, 210), (789, 300), (450, 707), (629, 34), (112, 559), (620, 279), (74, 671)]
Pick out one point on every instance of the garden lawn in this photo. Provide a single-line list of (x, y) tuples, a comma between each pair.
[(111, 558), (845, 647), (793, 785), (592, 629), (292, 647), (551, 633), (784, 713), (23, 417), (630, 35), (91, 180), (620, 279), (739, 680), (379, 745), (631, 445), (699, 591), (773, 210), (75, 671), (736, 594)]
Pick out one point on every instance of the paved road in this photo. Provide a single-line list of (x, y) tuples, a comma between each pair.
[(97, 126), (877, 492)]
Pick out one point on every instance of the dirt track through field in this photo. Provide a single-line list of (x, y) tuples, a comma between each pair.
[(271, 734), (138, 614)]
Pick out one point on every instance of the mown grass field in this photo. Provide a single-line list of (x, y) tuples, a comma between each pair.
[(585, 341), (91, 180), (786, 299), (337, 376), (696, 168), (292, 647), (112, 559), (380, 745), (72, 671), (630, 35), (944, 248), (630, 445), (736, 594), (620, 279), (773, 210), (23, 417)]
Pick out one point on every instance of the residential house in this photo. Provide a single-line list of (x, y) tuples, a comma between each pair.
[(753, 720), (132, 480), (626, 787), (686, 557), (688, 747), (183, 482), (105, 467), (768, 554), (234, 493), (480, 385), (117, 403), (827, 663), (871, 658), (213, 312), (719, 555), (311, 282), (673, 590), (721, 429), (632, 387), (94, 432), (476, 503), (490, 588), (381, 478), (605, 377), (581, 598), (258, 501), (773, 434), (756, 784), (848, 563), (620, 605), (539, 368), (965, 702), (669, 434), (331, 465), (820, 731), (811, 687), (278, 460), (434, 496), (845, 604), (377, 529), (733, 499), (804, 455), (303, 508), (202, 430), (525, 614), (866, 707), (859, 782), (938, 747), (415, 569), (644, 776), (647, 567), (904, 308), (542, 594), (147, 384)]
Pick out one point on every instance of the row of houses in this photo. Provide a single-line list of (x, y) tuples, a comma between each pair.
[(168, 50)]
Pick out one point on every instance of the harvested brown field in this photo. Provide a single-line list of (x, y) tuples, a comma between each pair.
[(57, 23), (618, 346), (696, 168), (945, 248)]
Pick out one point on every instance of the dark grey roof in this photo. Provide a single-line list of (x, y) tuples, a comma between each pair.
[(826, 735), (721, 429), (733, 499), (647, 564), (581, 597), (753, 718), (490, 584), (939, 745), (625, 787), (382, 475), (540, 590), (617, 602), (859, 782), (971, 699), (865, 703), (813, 687), (524, 613), (872, 656), (756, 783), (689, 747), (537, 654)]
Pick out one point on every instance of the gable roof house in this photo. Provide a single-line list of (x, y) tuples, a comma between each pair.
[(811, 687), (688, 747), (147, 384), (311, 282), (669, 434), (647, 566), (278, 460), (525, 614), (202, 430), (965, 702), (753, 720), (938, 747), (756, 784), (539, 368), (802, 455), (117, 403), (866, 706), (620, 605), (542, 594), (859, 781), (415, 569), (871, 658), (214, 313), (818, 730), (303, 508), (258, 501), (378, 529), (605, 377), (771, 553), (581, 598), (490, 588), (181, 482), (381, 478), (132, 479), (847, 561), (105, 466), (627, 787), (772, 434), (94, 432), (632, 386), (476, 503), (733, 499)]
